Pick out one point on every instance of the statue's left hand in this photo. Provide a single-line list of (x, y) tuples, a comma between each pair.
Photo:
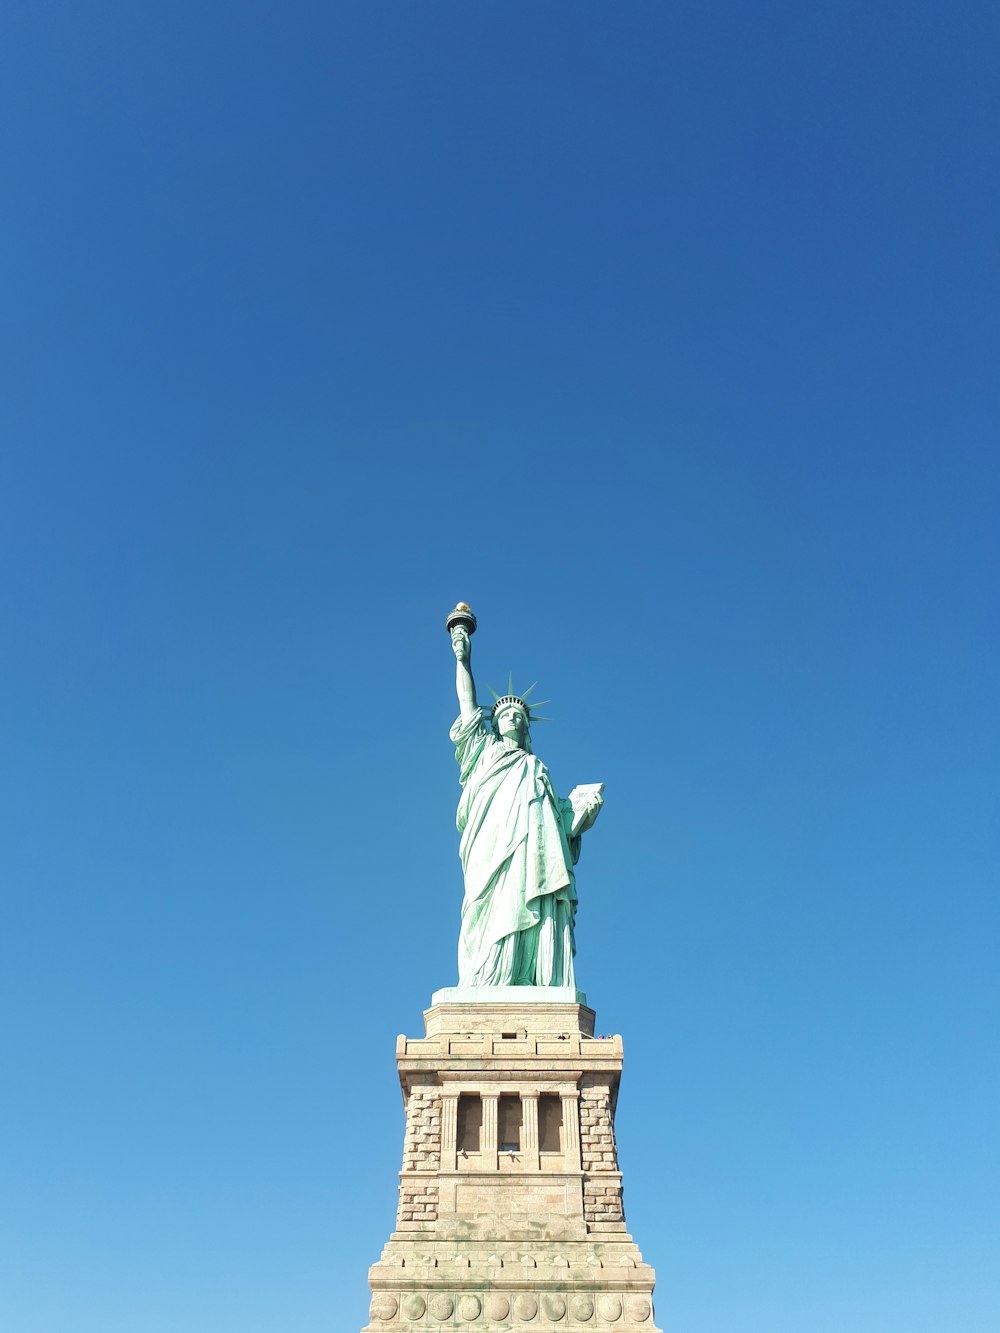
[(590, 812), (594, 808)]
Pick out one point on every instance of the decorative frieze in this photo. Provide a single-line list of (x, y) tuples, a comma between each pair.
[(404, 1310)]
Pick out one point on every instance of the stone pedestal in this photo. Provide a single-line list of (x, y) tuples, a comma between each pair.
[(510, 1198)]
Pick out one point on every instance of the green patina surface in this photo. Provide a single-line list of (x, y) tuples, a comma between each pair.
[(519, 844)]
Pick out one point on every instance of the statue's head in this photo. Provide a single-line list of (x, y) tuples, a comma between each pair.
[(511, 721), (513, 715)]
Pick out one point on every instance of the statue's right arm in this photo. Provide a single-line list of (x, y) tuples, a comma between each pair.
[(464, 684)]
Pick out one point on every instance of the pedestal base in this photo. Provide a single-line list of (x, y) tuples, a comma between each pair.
[(571, 1294), (510, 1210)]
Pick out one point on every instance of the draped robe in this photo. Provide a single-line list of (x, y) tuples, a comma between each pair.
[(517, 857)]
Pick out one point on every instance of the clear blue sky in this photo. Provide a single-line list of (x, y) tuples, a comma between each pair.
[(666, 334)]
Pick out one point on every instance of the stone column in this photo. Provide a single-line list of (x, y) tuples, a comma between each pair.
[(571, 1131), (449, 1130), (488, 1133), (529, 1130)]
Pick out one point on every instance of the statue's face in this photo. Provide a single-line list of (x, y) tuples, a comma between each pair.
[(512, 725)]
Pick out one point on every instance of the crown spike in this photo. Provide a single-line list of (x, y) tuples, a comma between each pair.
[(510, 682), (525, 693), (492, 690)]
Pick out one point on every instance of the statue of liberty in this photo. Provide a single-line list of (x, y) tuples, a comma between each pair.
[(519, 840)]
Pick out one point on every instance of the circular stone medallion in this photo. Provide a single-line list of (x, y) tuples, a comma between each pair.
[(553, 1307), (440, 1307), (639, 1309), (384, 1306), (609, 1308), (582, 1307), (469, 1308), (414, 1307), (525, 1307), (497, 1306)]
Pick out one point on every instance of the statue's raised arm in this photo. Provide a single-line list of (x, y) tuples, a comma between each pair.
[(462, 643), (520, 841)]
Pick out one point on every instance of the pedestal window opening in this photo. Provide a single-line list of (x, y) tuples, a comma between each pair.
[(470, 1123), (550, 1123), (509, 1123)]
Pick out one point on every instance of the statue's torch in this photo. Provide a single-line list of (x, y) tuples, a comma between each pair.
[(461, 618)]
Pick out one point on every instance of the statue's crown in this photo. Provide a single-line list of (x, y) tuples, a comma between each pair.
[(512, 700)]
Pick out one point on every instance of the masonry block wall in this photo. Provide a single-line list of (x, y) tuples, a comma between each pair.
[(602, 1189), (418, 1199)]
